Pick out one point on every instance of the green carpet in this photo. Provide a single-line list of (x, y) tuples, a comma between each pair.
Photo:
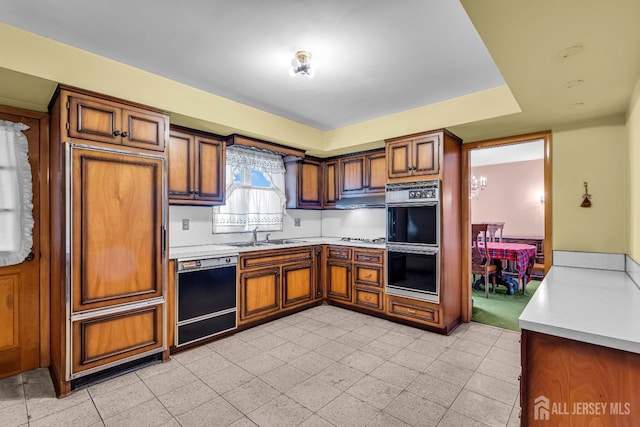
[(500, 309)]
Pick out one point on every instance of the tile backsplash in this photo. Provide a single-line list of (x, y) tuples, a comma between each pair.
[(365, 223)]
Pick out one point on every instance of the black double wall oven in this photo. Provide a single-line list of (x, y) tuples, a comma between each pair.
[(413, 240)]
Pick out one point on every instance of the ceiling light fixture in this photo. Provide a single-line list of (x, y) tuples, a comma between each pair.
[(301, 64), (570, 51)]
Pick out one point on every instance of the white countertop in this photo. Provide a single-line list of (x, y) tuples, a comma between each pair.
[(594, 306), (185, 253)]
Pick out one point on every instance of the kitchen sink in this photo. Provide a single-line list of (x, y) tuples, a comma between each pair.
[(247, 244), (282, 241)]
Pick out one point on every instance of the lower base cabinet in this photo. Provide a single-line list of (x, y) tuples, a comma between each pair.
[(414, 310), (572, 383), (274, 281)]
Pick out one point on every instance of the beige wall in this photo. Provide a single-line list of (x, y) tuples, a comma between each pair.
[(512, 196), (633, 135), (595, 152)]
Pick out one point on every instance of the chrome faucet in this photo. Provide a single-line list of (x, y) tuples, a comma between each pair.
[(255, 235)]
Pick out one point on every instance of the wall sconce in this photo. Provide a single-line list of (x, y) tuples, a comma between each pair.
[(477, 185), (586, 197), (301, 64)]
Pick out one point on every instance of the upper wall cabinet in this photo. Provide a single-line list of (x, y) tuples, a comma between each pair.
[(414, 155), (196, 168), (362, 174), (94, 118), (330, 190), (304, 184)]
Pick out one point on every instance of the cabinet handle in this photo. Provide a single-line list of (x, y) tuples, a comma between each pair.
[(196, 192), (116, 133), (125, 134), (411, 311), (367, 276)]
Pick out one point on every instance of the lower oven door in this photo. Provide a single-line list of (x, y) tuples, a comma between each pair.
[(413, 272)]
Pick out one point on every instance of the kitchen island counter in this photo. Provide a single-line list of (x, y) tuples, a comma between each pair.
[(599, 307)]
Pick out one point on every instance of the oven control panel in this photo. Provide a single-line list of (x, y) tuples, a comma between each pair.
[(216, 262), (413, 192)]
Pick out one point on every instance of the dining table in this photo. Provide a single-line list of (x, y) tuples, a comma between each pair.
[(522, 254)]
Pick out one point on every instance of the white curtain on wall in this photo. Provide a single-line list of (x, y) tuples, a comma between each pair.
[(249, 206), (16, 217)]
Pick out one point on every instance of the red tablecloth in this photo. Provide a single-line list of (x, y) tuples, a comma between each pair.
[(517, 252)]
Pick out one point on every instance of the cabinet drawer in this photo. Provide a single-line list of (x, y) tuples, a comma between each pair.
[(275, 258), (368, 275), (370, 298), (374, 257), (110, 338), (413, 311), (334, 252)]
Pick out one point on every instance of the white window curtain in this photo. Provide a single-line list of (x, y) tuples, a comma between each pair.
[(248, 206), (16, 208)]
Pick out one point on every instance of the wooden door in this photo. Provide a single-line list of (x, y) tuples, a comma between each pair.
[(117, 228), (352, 179), (399, 163), (297, 283), (259, 293), (144, 129), (376, 176), (331, 184), (180, 166), (94, 119), (209, 170), (310, 184), (339, 280), (21, 299), (426, 153)]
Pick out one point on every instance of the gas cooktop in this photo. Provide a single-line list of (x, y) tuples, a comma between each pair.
[(379, 240)]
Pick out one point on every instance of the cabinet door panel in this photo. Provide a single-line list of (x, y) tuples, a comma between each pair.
[(352, 175), (426, 156), (117, 228), (145, 129), (370, 298), (94, 120), (180, 168), (259, 293), (331, 184), (339, 280), (209, 169), (297, 284), (112, 337), (368, 275), (376, 173), (309, 181)]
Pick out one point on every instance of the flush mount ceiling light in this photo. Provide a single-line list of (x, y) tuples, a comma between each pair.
[(301, 64)]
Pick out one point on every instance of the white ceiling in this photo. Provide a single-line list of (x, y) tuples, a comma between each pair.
[(371, 58)]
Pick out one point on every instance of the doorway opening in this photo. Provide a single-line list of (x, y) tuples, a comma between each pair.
[(507, 184)]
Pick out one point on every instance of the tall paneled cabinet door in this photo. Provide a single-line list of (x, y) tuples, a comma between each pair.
[(117, 248), (196, 168)]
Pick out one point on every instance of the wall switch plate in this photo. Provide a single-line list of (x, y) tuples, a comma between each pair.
[(296, 222), (185, 224)]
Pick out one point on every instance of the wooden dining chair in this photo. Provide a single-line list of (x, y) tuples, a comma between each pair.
[(480, 260)]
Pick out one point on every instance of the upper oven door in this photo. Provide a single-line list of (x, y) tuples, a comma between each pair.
[(415, 224)]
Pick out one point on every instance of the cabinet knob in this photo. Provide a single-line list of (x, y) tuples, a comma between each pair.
[(116, 133), (125, 134)]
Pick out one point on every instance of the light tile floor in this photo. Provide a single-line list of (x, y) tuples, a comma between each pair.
[(325, 366)]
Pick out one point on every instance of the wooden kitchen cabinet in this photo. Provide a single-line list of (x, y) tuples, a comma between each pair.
[(108, 241), (368, 278), (558, 373), (196, 168), (414, 155), (304, 180), (362, 174), (276, 280), (414, 310), (331, 180), (259, 293), (89, 117)]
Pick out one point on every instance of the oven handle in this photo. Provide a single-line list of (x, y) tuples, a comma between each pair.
[(413, 250), (411, 204)]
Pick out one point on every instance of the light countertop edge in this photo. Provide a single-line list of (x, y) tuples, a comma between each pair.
[(599, 307), (186, 253)]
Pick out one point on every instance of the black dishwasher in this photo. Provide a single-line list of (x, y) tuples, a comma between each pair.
[(206, 298)]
